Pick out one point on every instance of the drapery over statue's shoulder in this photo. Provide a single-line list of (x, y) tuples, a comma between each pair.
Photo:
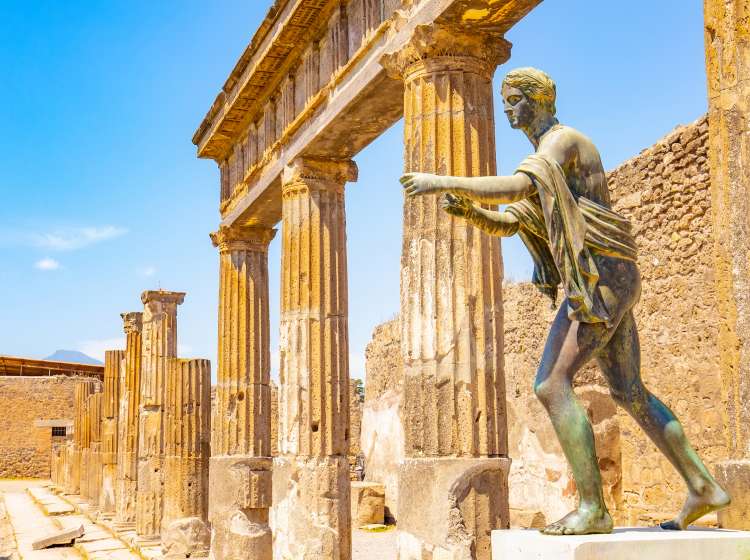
[(560, 230)]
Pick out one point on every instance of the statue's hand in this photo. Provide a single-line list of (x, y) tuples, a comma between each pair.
[(422, 183), (457, 205)]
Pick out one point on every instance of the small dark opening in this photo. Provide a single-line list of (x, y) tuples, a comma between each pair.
[(314, 426), (59, 431)]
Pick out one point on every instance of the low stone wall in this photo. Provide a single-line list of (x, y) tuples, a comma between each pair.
[(665, 191), (30, 407)]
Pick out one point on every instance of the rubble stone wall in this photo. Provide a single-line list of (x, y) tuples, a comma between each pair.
[(25, 447), (665, 191)]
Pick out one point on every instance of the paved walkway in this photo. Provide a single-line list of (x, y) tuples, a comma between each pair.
[(34, 511)]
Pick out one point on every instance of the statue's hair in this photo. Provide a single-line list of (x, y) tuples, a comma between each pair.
[(535, 84)]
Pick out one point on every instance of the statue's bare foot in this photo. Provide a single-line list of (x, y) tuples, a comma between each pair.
[(581, 522), (697, 505)]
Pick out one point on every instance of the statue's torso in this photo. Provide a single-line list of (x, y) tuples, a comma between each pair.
[(580, 161)]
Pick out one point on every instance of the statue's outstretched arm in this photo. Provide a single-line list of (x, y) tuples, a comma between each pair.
[(499, 224), (487, 190)]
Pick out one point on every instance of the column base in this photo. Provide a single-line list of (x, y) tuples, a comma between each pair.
[(734, 476), (623, 544), (188, 537), (311, 517), (238, 500), (447, 507)]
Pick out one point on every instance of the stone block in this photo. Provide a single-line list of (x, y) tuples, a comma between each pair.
[(368, 503), (448, 506), (239, 530), (63, 536), (311, 508), (186, 538), (734, 476), (623, 544)]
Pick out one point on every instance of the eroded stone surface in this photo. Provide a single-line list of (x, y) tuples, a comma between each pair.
[(187, 450), (240, 471), (128, 425), (159, 346)]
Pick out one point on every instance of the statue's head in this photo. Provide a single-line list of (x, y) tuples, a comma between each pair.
[(528, 94)]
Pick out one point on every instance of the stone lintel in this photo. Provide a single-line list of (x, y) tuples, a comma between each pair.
[(359, 103), (442, 499), (132, 321), (163, 296), (242, 238)]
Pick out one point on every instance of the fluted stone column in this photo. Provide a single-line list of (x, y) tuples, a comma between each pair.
[(728, 73), (241, 464), (83, 388), (94, 487), (130, 399), (86, 449), (453, 484), (187, 441), (313, 472), (109, 433), (159, 345)]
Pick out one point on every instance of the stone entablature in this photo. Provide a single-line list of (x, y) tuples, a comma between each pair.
[(310, 82)]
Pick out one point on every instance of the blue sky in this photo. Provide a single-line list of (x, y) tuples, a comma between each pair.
[(102, 196)]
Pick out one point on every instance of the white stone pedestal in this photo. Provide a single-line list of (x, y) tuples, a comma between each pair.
[(623, 544)]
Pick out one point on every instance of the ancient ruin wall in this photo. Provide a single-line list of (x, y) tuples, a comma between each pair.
[(28, 405), (665, 191), (382, 437)]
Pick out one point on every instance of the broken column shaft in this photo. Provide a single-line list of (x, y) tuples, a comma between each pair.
[(109, 433), (130, 399), (186, 454), (159, 345)]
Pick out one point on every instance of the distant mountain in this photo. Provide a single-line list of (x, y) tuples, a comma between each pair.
[(73, 356)]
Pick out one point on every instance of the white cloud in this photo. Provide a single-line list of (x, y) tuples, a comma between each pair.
[(147, 271), (76, 238), (96, 348), (47, 264)]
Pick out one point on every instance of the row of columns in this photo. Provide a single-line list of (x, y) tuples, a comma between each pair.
[(453, 485), (139, 456), (451, 311)]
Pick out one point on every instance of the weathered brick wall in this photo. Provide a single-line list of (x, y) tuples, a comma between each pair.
[(25, 449), (665, 191)]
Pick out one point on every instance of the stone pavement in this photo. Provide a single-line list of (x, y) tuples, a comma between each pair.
[(34, 511)]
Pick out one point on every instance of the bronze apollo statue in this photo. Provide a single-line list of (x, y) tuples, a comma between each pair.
[(559, 204)]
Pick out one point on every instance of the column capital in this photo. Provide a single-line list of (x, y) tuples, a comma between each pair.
[(317, 174), (242, 238), (132, 321), (448, 46), (162, 296)]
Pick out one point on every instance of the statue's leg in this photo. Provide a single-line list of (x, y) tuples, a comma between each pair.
[(569, 346), (620, 361)]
